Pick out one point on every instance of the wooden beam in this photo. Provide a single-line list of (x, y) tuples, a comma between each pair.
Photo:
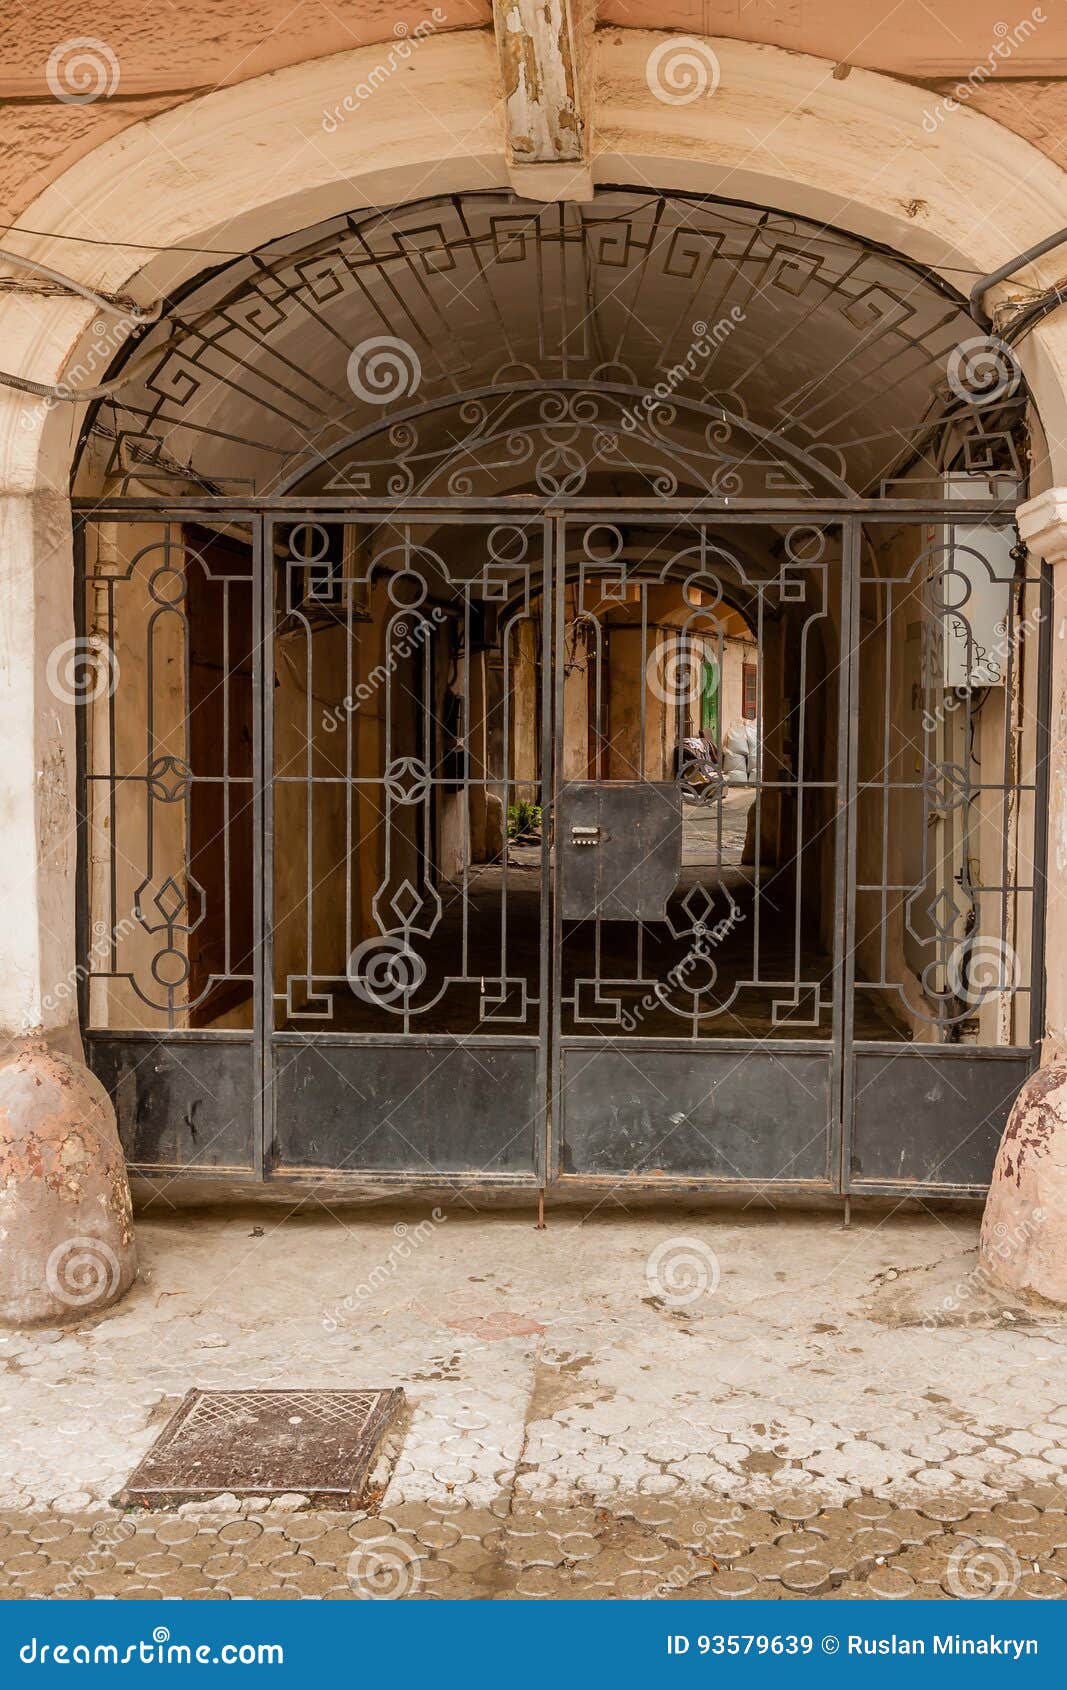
[(543, 47)]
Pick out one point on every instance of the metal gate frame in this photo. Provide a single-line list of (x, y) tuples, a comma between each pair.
[(1015, 1061), (721, 1056), (277, 1042), (852, 514)]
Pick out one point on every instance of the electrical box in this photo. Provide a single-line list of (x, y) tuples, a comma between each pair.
[(619, 846), (974, 570)]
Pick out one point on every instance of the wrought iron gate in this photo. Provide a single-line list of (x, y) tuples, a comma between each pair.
[(410, 958), (499, 845)]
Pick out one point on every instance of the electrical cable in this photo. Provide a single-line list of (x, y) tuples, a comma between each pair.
[(1032, 313), (115, 303), (142, 316)]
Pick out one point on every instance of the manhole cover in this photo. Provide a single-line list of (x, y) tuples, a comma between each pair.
[(263, 1443)]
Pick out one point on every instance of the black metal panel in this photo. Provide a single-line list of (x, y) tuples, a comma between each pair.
[(180, 1102), (931, 1117), (726, 1114), (620, 849), (410, 1107)]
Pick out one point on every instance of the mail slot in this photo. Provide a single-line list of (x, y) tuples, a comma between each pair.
[(636, 829)]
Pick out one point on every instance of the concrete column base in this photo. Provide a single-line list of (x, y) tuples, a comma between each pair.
[(66, 1230), (1024, 1229)]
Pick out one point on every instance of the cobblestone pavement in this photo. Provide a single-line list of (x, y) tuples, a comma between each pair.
[(836, 1411), (651, 1548)]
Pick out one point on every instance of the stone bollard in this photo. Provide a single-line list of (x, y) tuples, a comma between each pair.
[(1024, 1228), (66, 1228)]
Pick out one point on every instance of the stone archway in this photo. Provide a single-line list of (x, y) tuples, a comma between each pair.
[(780, 132)]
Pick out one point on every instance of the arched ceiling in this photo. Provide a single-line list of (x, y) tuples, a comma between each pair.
[(482, 344)]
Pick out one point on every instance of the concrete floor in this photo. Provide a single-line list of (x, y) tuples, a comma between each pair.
[(687, 1362)]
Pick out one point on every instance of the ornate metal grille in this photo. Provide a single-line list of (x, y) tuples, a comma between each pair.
[(170, 785), (397, 907), (480, 345), (606, 747), (490, 830), (722, 947)]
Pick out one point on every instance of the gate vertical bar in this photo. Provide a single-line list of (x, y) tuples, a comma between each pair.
[(552, 763), (544, 1164), (845, 846), (263, 765), (81, 792), (1043, 731)]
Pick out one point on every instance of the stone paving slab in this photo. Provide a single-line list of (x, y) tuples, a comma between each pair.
[(808, 1411), (521, 1550), (796, 1356)]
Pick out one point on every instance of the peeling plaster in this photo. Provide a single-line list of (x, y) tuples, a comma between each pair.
[(1033, 1122), (53, 797), (535, 39)]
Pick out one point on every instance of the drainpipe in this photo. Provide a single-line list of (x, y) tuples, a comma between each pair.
[(984, 283)]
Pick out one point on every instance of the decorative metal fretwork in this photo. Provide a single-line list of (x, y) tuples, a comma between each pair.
[(948, 837), (167, 685), (673, 611), (388, 817), (397, 904), (480, 345), (568, 638)]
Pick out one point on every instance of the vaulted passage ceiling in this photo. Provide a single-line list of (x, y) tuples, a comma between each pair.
[(480, 344)]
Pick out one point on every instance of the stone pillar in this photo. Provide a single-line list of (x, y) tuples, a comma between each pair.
[(1024, 1229), (66, 1238)]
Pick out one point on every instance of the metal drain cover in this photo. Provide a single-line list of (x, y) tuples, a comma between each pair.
[(264, 1443)]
